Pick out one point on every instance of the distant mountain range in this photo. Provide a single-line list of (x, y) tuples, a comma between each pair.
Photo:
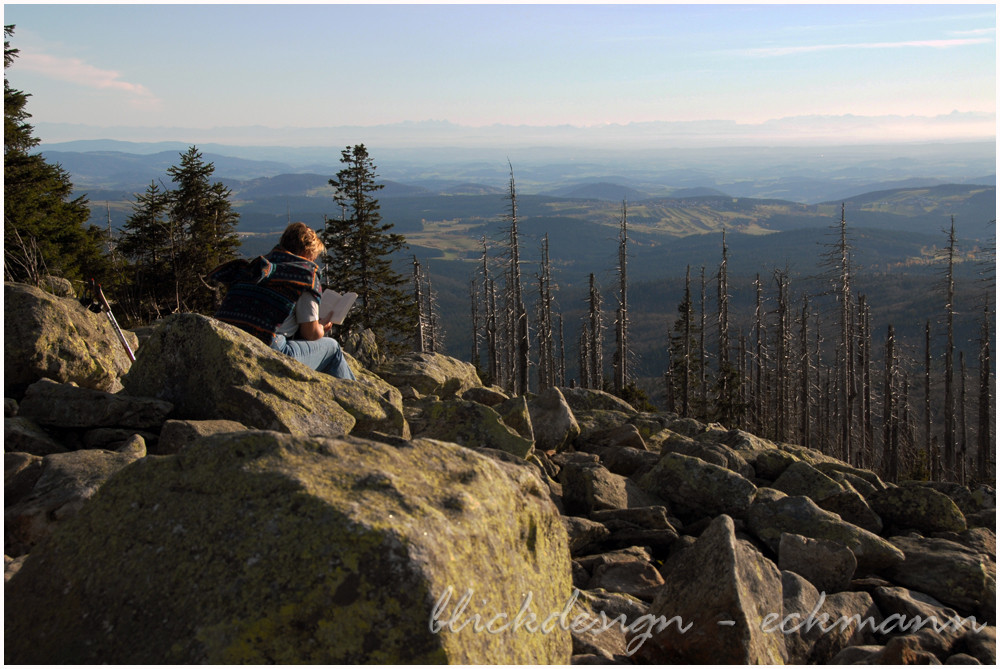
[(792, 174)]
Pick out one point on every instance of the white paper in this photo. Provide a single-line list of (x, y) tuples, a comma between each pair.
[(334, 306)]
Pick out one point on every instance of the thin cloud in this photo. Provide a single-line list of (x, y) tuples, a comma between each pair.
[(924, 44), (78, 72)]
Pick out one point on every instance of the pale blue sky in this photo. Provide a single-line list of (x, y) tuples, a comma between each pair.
[(329, 65)]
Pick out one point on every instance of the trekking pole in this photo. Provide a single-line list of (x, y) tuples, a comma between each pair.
[(96, 299)]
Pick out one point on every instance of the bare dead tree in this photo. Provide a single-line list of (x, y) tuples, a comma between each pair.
[(866, 448), (418, 298), (562, 354), (890, 423), (949, 359), (703, 411), (963, 434), (984, 436), (546, 341), (929, 441), (725, 401), (586, 359), (622, 352), (595, 337), (781, 358), (520, 349), (804, 371), (474, 300)]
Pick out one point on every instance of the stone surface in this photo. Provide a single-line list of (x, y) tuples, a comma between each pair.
[(720, 579), (801, 478), (66, 405), (852, 508), (636, 578), (177, 434), (20, 473), (316, 550), (767, 519), (473, 425), (828, 565), (430, 374), (66, 482), (917, 507), (210, 371), (23, 434), (695, 488), (817, 626), (553, 421), (515, 415), (583, 533), (950, 572), (487, 396), (590, 399), (589, 487), (56, 338)]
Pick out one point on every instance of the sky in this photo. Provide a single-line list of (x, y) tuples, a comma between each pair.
[(309, 66)]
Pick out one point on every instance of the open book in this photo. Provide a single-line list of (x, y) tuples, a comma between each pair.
[(334, 306)]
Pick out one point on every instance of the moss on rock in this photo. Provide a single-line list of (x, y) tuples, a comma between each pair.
[(260, 547), (210, 370)]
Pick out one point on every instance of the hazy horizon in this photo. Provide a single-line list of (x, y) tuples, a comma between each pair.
[(508, 75)]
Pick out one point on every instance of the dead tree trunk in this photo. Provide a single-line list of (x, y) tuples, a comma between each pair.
[(474, 299), (520, 349), (984, 436), (890, 425), (949, 361), (928, 438), (804, 365), (622, 353), (595, 338), (418, 298)]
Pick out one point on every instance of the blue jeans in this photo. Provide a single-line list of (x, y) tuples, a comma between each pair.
[(323, 355)]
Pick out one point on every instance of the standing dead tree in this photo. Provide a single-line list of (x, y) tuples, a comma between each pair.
[(949, 463), (546, 340), (622, 352), (595, 338), (519, 344), (420, 337)]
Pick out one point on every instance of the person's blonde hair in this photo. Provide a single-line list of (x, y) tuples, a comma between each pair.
[(301, 240)]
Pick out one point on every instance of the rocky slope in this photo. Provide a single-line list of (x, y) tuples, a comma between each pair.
[(218, 502)]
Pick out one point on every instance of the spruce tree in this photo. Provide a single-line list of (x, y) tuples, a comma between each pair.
[(201, 211), (45, 227), (359, 246)]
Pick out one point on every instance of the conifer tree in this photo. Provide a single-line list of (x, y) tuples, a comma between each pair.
[(359, 248), (201, 211), (45, 227)]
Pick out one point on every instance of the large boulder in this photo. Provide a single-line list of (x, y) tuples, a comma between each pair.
[(828, 565), (472, 424), (817, 625), (917, 507), (212, 371), (430, 374), (65, 483), (315, 550), (948, 571), (553, 421), (56, 338), (768, 518), (24, 435), (590, 399), (721, 592), (66, 405), (696, 488)]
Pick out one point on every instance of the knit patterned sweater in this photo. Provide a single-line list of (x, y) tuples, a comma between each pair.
[(262, 292)]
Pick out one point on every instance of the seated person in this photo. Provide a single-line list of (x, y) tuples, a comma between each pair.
[(276, 298)]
